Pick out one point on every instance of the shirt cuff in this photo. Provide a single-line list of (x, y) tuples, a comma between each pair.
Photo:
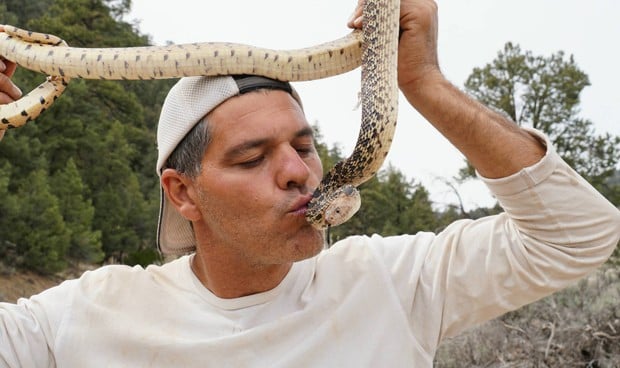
[(527, 177)]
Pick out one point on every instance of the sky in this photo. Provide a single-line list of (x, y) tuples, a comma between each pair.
[(471, 33)]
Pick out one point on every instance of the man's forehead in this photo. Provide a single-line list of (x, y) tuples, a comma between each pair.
[(257, 115), (254, 107)]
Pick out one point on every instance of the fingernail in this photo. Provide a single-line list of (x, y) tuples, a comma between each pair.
[(358, 21), (2, 66), (17, 91)]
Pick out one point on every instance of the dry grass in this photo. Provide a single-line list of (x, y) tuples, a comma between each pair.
[(577, 327), (16, 284)]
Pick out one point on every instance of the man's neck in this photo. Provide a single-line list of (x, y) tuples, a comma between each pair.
[(229, 280)]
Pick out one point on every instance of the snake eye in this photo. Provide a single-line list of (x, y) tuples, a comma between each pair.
[(349, 190)]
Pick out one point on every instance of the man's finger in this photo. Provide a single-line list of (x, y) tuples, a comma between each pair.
[(5, 99), (9, 67), (355, 20), (8, 88)]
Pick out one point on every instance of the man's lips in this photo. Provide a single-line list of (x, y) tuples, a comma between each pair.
[(300, 205)]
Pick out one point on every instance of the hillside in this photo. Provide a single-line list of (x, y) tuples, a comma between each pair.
[(19, 284), (22, 284)]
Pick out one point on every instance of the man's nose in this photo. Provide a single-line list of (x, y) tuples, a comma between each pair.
[(292, 169)]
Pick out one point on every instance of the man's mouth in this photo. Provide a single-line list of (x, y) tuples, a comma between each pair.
[(300, 206)]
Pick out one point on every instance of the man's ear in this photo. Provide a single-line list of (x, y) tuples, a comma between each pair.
[(179, 189)]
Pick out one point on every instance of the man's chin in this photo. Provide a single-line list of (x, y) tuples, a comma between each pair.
[(310, 243)]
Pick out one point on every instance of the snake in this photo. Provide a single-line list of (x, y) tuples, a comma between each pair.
[(374, 47)]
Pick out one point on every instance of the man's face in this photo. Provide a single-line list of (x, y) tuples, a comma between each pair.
[(258, 174)]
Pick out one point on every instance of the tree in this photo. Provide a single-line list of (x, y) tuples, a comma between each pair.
[(38, 228), (120, 207), (88, 23), (544, 93), (21, 10), (78, 213), (106, 128), (420, 211), (7, 17), (8, 209), (387, 202)]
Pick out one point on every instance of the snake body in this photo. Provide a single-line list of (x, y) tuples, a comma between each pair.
[(375, 48), (49, 55)]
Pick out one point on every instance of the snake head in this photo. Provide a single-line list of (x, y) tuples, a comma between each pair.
[(344, 203)]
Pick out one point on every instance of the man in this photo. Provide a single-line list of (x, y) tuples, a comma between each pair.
[(258, 289)]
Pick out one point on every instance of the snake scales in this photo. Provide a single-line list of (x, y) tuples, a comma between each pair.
[(375, 48)]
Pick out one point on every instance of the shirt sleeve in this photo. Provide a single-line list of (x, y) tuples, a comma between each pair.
[(556, 228), (28, 328)]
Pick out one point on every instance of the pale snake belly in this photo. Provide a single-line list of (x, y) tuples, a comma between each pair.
[(375, 47)]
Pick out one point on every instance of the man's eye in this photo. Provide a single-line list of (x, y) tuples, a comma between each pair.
[(252, 163), (305, 150)]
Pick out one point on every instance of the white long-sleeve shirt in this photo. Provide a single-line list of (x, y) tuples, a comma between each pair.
[(365, 302)]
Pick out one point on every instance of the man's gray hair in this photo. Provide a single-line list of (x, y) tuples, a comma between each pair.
[(187, 156)]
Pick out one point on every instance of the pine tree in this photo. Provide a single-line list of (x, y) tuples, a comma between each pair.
[(38, 230), (78, 213), (8, 208)]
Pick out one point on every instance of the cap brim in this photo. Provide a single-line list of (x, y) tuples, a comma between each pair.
[(175, 233)]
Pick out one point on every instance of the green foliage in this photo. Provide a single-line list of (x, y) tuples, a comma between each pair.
[(88, 23), (13, 12), (42, 250), (9, 207), (93, 150), (7, 17), (144, 257), (78, 214), (119, 202), (544, 93)]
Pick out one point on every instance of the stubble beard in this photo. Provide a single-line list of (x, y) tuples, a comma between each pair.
[(270, 244)]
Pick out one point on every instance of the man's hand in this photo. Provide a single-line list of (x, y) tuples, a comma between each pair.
[(417, 51), (9, 92)]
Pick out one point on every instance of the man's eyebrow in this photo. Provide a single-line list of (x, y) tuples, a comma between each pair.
[(305, 132), (243, 147), (240, 149)]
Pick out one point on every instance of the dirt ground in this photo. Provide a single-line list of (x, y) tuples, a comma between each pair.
[(24, 284), (20, 284)]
